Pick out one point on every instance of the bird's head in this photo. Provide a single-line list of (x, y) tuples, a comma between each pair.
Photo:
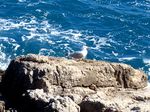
[(85, 47)]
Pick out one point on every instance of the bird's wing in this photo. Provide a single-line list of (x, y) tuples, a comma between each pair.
[(76, 55)]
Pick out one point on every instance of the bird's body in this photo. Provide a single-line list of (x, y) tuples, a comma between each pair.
[(79, 54)]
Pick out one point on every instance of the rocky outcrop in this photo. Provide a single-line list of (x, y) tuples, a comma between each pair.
[(112, 100), (1, 74), (2, 105), (52, 103), (2, 102), (49, 84)]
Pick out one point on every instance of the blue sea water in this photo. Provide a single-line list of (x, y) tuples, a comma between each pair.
[(114, 30)]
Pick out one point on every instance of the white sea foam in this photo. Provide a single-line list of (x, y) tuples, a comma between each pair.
[(114, 53), (4, 60), (4, 65), (44, 32), (2, 55), (147, 62), (5, 57), (98, 42), (48, 52), (9, 41), (21, 0), (16, 46), (127, 58), (8, 24)]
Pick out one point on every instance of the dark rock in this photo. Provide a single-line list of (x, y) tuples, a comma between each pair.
[(136, 109), (56, 84), (1, 74), (45, 102)]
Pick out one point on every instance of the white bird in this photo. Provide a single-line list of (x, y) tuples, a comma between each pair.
[(79, 54)]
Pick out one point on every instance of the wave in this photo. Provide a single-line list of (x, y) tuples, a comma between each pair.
[(114, 30), (147, 64), (41, 37)]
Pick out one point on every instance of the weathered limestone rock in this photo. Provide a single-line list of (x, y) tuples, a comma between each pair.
[(39, 71), (49, 103), (58, 84), (116, 101)]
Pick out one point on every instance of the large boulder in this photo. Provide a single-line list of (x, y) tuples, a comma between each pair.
[(52, 103), (2, 102), (112, 100), (4, 106), (1, 74), (58, 84)]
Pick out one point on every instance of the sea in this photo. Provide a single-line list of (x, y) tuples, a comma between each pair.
[(114, 30)]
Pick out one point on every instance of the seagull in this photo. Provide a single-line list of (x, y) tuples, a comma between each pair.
[(79, 54)]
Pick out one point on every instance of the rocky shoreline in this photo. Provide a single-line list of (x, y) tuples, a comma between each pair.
[(34, 83)]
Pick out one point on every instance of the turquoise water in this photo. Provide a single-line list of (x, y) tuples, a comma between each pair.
[(114, 30)]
